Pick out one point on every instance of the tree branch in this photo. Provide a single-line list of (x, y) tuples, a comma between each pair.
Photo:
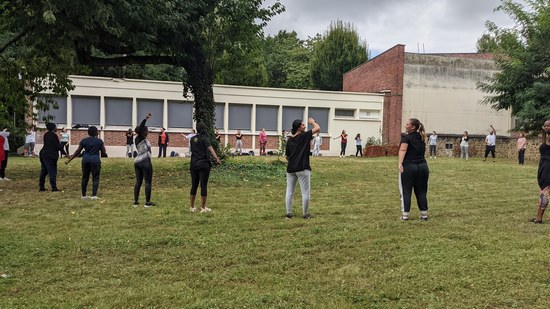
[(13, 40)]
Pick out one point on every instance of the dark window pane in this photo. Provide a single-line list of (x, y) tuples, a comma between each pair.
[(180, 114), (155, 107), (239, 116), (85, 110), (118, 111), (320, 115), (266, 117)]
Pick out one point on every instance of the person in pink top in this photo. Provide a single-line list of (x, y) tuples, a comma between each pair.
[(263, 142), (522, 145)]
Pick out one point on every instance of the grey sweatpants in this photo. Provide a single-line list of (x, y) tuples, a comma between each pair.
[(304, 178)]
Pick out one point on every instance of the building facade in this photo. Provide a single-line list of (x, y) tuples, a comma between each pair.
[(115, 105), (438, 89)]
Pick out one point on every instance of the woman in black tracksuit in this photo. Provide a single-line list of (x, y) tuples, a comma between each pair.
[(200, 166), (413, 169), (142, 164)]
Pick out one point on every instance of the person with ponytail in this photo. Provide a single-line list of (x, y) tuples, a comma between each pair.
[(543, 175), (298, 170), (413, 169), (142, 163), (200, 166)]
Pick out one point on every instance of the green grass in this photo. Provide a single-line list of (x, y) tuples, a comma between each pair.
[(477, 250)]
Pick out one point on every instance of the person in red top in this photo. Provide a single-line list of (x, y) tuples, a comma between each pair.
[(263, 142), (2, 154), (343, 142), (163, 142)]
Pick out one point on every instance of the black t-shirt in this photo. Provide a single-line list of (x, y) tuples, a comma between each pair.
[(415, 150), (543, 174), (129, 138), (297, 152), (199, 152)]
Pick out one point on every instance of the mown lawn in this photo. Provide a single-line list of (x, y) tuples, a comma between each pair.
[(477, 250)]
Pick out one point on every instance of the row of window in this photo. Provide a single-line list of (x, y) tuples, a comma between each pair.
[(118, 112)]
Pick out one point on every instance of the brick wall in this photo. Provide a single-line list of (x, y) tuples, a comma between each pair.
[(383, 72)]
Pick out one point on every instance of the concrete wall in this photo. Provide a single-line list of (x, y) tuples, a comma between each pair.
[(441, 92), (114, 137)]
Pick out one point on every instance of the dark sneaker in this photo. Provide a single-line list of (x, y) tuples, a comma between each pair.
[(307, 216), (288, 216), (150, 204), (56, 190), (42, 190), (535, 221), (424, 218)]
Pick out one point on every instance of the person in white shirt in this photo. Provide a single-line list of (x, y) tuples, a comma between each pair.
[(5, 134), (433, 145), (30, 140), (464, 146), (490, 142), (317, 142)]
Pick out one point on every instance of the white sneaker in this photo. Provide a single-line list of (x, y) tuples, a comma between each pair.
[(84, 198), (205, 209), (94, 198), (192, 209), (7, 179)]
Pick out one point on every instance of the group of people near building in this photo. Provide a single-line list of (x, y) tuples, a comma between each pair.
[(412, 165)]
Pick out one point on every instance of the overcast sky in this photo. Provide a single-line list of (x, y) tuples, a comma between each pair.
[(433, 26)]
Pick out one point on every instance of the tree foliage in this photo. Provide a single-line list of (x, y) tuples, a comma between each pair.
[(288, 61), (522, 53), (338, 50), (42, 42)]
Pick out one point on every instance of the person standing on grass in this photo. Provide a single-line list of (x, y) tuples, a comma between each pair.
[(5, 133), (94, 149), (413, 169), (522, 145), (30, 141), (65, 140), (490, 143), (433, 145), (142, 163), (2, 154), (543, 175), (130, 143), (343, 142), (49, 154), (263, 142), (239, 142), (358, 142), (298, 168), (317, 142), (464, 146), (200, 166), (163, 142)]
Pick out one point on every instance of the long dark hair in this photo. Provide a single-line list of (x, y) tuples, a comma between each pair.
[(419, 127), (296, 124), (201, 128)]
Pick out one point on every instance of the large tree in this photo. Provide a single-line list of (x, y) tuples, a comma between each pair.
[(287, 61), (523, 54), (42, 42), (336, 52)]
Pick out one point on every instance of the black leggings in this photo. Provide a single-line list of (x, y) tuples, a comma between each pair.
[(200, 176), (414, 176), (359, 150), (343, 151), (95, 170), (143, 169)]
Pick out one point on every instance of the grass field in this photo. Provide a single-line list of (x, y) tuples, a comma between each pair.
[(478, 249)]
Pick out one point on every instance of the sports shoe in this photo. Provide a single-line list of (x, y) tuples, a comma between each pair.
[(288, 216), (136, 204), (149, 204), (95, 197), (42, 190), (192, 209), (6, 179), (535, 221), (205, 209), (424, 218), (84, 197), (404, 218), (56, 190), (307, 216)]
